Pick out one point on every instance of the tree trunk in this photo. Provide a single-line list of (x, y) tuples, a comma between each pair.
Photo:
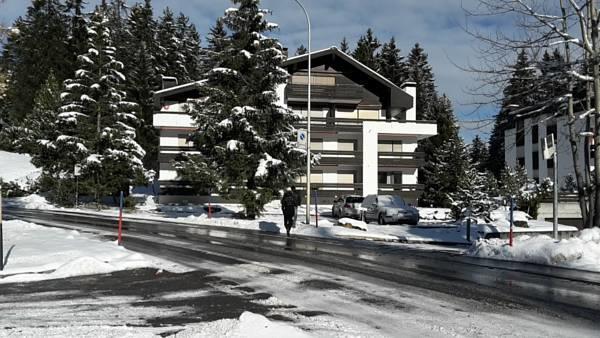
[(573, 134), (596, 76)]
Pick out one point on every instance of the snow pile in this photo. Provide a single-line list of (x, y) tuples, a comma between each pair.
[(148, 205), (249, 325), (34, 252), (438, 214), (352, 223), (33, 201), (20, 170), (581, 252)]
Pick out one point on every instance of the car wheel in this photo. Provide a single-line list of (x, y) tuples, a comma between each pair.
[(381, 220)]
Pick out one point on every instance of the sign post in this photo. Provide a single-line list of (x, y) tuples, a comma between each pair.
[(120, 239), (1, 236), (77, 173), (550, 152), (302, 138), (469, 224), (510, 234)]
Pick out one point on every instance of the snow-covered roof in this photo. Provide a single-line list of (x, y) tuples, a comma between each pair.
[(179, 88)]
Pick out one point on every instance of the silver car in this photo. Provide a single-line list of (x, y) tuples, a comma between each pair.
[(388, 209), (348, 206)]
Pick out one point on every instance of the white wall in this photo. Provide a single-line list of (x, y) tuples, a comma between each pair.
[(172, 120), (510, 148)]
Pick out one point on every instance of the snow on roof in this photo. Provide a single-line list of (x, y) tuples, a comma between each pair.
[(183, 86)]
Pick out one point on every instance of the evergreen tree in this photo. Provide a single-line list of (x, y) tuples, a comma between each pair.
[(216, 43), (142, 77), (520, 92), (449, 163), (479, 153), (77, 26), (94, 124), (37, 50), (344, 47), (244, 137), (301, 50), (172, 60), (190, 48), (474, 194), (366, 49), (443, 114), (390, 63), (420, 72)]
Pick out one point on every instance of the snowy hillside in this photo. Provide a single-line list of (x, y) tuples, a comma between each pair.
[(17, 168)]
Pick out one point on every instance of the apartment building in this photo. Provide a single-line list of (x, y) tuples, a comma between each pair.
[(363, 126)]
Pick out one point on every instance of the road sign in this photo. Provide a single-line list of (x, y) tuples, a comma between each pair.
[(549, 147), (302, 138), (77, 170)]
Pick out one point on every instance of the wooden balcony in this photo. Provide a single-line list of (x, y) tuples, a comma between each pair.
[(341, 93)]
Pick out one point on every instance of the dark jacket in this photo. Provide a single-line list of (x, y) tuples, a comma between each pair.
[(288, 203)]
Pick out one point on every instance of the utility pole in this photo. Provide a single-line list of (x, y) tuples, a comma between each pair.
[(1, 235), (596, 77)]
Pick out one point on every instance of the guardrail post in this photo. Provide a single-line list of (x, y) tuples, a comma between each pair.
[(316, 209), (120, 239), (510, 235), (1, 236)]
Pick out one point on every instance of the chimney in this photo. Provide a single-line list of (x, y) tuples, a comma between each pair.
[(285, 52), (411, 89), (168, 82)]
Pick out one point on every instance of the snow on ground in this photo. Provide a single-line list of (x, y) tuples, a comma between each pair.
[(581, 252), (33, 252), (20, 170), (226, 215)]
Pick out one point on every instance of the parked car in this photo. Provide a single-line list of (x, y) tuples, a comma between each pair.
[(348, 206), (388, 209)]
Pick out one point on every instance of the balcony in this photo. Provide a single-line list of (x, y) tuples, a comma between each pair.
[(349, 94), (355, 125), (386, 159)]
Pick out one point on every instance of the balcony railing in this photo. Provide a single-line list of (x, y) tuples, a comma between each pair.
[(390, 159), (340, 92)]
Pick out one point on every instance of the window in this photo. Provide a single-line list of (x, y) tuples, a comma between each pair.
[(182, 141), (318, 80), (536, 160), (346, 145), (534, 134), (550, 163), (382, 178), (397, 178), (390, 146), (316, 144), (520, 126), (551, 129), (521, 161)]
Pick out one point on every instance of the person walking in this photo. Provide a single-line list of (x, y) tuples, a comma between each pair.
[(288, 207), (297, 204)]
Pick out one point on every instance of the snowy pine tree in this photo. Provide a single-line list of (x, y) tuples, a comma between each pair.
[(95, 123), (244, 136), (344, 47), (474, 194), (447, 166), (420, 72), (301, 50), (216, 43), (141, 61), (172, 60), (391, 64), (366, 49), (479, 153), (36, 49), (190, 48), (520, 92)]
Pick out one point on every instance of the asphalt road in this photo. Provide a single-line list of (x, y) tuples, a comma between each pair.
[(568, 298)]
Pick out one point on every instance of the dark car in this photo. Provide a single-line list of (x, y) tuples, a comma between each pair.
[(388, 209), (348, 206)]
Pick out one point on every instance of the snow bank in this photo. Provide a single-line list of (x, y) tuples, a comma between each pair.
[(438, 214), (33, 201), (581, 252), (33, 252), (352, 223), (249, 325), (20, 170), (148, 205)]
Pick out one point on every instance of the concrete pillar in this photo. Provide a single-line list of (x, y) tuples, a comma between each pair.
[(370, 159), (411, 89)]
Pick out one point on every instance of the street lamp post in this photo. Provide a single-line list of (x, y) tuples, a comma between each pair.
[(308, 161)]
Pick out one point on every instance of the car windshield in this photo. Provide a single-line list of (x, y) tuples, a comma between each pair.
[(391, 201), (354, 199)]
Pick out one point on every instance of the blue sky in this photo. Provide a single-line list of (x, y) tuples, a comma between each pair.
[(436, 24)]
